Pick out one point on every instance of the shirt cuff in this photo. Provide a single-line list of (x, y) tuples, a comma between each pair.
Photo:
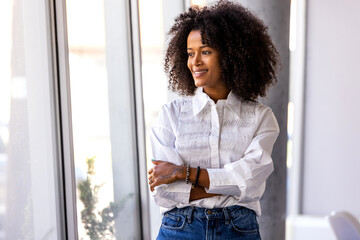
[(222, 182), (177, 191)]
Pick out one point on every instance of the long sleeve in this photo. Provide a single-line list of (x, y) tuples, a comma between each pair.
[(162, 141), (245, 178)]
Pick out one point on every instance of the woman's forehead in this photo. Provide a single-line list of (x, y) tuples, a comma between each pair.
[(196, 37)]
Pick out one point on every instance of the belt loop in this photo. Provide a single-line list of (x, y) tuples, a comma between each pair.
[(189, 214), (227, 217)]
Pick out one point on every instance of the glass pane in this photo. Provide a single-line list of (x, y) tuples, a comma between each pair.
[(153, 78), (156, 18), (103, 121), (28, 179)]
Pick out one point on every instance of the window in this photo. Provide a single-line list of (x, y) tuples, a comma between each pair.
[(97, 121), (29, 174), (103, 119)]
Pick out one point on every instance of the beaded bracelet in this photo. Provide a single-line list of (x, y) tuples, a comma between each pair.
[(187, 174), (197, 177)]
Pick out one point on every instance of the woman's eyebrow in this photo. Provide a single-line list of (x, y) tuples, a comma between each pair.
[(204, 46)]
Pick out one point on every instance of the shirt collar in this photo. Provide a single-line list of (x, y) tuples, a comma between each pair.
[(201, 99)]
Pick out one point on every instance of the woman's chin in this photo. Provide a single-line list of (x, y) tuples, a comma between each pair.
[(199, 83)]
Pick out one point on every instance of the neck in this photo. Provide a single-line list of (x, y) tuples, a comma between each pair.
[(217, 94)]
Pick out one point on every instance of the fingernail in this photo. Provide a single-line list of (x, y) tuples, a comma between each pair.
[(153, 160)]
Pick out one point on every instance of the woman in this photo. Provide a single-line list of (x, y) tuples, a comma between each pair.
[(213, 146)]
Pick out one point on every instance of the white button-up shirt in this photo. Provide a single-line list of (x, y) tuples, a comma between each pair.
[(232, 139)]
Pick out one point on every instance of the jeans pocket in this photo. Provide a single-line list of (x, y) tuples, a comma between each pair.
[(173, 221), (245, 223)]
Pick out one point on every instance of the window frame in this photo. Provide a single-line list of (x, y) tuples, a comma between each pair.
[(62, 89)]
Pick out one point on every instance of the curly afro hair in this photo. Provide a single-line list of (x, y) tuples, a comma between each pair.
[(249, 60)]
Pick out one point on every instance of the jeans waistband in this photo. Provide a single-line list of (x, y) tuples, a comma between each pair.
[(226, 213)]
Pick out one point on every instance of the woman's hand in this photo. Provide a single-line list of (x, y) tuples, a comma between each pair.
[(164, 173)]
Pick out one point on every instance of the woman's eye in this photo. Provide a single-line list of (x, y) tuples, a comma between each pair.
[(190, 54), (205, 52)]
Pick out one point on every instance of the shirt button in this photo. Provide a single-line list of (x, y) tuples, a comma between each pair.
[(209, 212)]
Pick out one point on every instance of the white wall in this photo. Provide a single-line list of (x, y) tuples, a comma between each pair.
[(332, 108), (323, 173)]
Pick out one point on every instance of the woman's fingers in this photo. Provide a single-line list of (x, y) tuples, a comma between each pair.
[(151, 183), (162, 172), (157, 162)]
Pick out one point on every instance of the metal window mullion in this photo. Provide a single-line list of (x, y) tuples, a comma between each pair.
[(140, 120), (59, 170), (65, 119)]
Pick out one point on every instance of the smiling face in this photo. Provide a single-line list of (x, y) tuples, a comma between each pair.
[(203, 62)]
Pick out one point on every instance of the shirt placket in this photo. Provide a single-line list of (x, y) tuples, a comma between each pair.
[(214, 137)]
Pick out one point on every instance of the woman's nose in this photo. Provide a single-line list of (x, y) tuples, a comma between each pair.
[(197, 60)]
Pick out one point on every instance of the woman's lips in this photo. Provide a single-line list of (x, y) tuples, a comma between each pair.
[(199, 73)]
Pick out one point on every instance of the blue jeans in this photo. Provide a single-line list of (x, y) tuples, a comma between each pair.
[(193, 223)]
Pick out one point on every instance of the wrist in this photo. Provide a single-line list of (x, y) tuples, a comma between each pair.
[(181, 174)]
